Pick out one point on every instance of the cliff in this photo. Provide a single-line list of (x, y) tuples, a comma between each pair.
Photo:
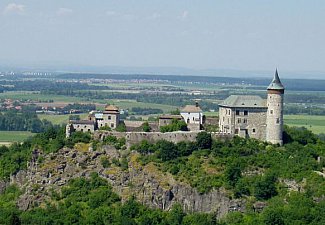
[(147, 183)]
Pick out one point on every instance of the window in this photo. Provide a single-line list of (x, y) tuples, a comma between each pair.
[(112, 124), (239, 120), (245, 121), (277, 120), (236, 131), (237, 112), (245, 113), (109, 117), (88, 130), (223, 119), (271, 111), (254, 131)]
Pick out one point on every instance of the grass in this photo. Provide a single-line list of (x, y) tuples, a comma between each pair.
[(60, 119), (14, 136), (314, 123)]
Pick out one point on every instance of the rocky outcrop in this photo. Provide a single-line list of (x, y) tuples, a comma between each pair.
[(149, 185)]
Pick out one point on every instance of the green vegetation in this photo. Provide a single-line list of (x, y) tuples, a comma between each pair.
[(25, 121), (247, 167), (92, 201), (121, 127), (176, 125), (16, 156), (146, 127)]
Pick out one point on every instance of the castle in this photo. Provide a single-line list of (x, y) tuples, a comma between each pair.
[(247, 116), (253, 117), (109, 118)]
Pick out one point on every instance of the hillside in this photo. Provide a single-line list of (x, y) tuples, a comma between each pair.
[(231, 182)]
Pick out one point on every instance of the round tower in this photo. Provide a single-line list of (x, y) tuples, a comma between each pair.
[(274, 119)]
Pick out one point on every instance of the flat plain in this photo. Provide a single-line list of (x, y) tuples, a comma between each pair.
[(313, 123)]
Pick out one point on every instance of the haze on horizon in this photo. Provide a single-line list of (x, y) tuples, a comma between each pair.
[(217, 34)]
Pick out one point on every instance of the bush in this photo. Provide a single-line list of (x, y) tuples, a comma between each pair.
[(204, 140), (146, 127), (121, 127), (176, 125)]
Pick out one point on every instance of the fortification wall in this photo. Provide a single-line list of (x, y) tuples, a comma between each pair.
[(175, 137)]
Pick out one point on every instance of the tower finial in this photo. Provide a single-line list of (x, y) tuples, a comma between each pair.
[(276, 82)]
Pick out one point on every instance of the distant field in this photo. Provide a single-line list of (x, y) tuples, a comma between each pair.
[(59, 119), (313, 123), (6, 137), (34, 95), (211, 113), (128, 104)]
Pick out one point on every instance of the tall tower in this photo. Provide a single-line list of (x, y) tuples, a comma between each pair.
[(274, 119)]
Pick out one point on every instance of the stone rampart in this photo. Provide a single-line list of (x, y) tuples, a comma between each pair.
[(175, 137)]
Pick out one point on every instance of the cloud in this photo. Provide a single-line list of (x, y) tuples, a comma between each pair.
[(184, 15), (64, 11), (14, 8)]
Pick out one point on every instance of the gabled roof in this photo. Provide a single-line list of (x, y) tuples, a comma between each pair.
[(89, 122), (276, 83), (170, 117), (111, 108), (244, 101), (192, 109)]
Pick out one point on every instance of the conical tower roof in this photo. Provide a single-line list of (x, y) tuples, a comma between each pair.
[(276, 83)]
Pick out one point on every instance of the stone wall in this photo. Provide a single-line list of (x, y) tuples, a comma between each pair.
[(175, 137)]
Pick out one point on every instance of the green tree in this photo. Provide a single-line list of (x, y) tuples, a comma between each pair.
[(146, 127), (204, 140), (166, 150), (121, 127), (265, 187)]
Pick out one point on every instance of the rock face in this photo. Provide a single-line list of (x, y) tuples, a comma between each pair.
[(149, 185)]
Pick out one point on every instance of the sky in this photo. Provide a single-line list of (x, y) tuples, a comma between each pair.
[(197, 34)]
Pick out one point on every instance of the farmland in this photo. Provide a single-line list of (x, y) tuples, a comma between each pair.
[(313, 123), (7, 137)]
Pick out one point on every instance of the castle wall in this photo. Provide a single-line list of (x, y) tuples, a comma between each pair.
[(83, 127), (175, 137)]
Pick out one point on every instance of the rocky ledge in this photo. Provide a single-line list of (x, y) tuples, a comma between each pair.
[(154, 188)]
